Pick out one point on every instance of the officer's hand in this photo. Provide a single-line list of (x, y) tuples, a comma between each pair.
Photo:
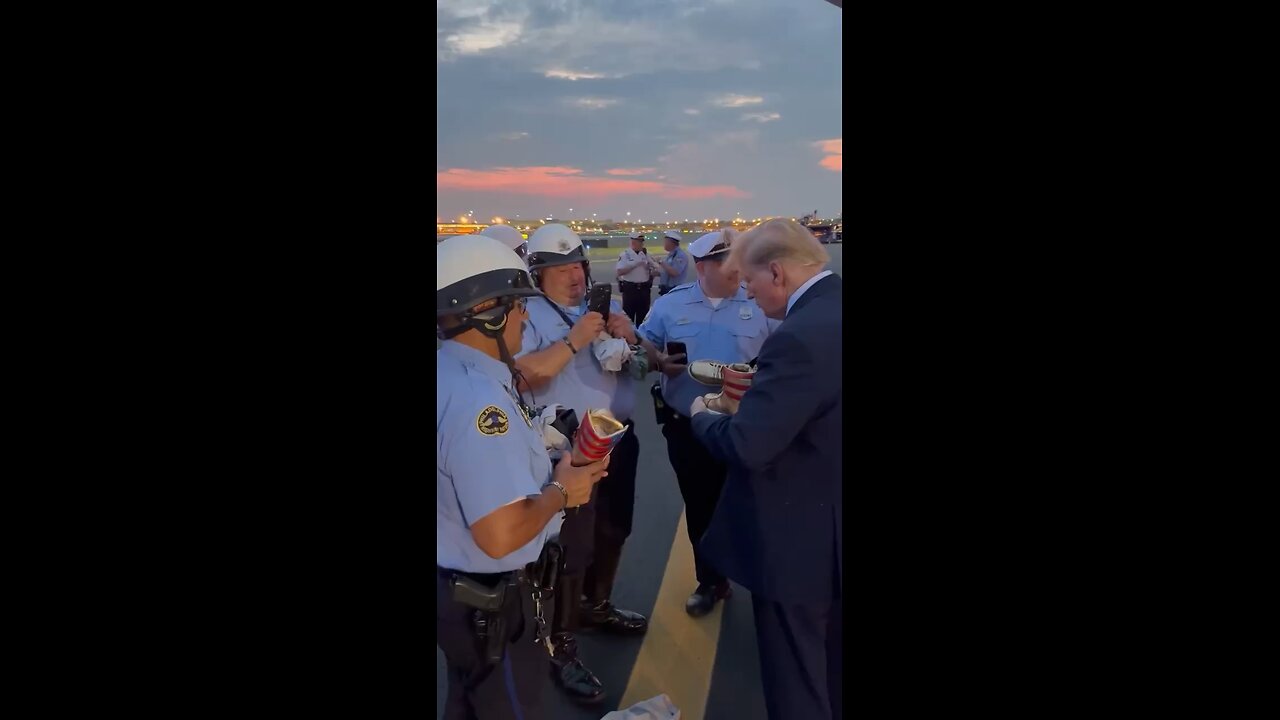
[(672, 365), (579, 480), (586, 329), (619, 326)]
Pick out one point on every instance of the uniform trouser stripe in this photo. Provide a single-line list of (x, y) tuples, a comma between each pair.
[(510, 678)]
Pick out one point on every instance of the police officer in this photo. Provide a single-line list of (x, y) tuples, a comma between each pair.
[(635, 272), (715, 320), (675, 267), (498, 501), (508, 236), (559, 364)]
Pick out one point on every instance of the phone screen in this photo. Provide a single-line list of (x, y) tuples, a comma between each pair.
[(675, 347), (598, 300)]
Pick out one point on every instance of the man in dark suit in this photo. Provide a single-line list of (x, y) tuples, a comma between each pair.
[(778, 526)]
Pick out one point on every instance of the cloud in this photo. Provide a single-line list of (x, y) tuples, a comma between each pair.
[(762, 117), (834, 150), (736, 101), (571, 75), (830, 146), (514, 135), (594, 103), (692, 111), (480, 37), (561, 38), (630, 171), (571, 183)]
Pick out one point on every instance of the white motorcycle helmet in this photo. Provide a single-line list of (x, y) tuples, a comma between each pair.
[(555, 244), (471, 270), (508, 236)]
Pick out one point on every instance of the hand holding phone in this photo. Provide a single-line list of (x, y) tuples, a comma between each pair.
[(675, 360), (598, 299)]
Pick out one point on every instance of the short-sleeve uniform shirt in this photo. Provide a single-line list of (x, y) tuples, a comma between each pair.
[(487, 457)]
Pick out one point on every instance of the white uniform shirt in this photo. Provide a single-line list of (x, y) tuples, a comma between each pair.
[(634, 266)]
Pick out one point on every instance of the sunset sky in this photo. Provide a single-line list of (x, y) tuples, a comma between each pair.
[(696, 108)]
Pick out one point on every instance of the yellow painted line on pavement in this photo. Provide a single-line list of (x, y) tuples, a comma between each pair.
[(679, 652)]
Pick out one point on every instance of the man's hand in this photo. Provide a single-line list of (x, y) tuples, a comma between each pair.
[(672, 365), (620, 327), (587, 328), (578, 481)]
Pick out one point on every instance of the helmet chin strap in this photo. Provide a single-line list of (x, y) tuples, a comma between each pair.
[(493, 328)]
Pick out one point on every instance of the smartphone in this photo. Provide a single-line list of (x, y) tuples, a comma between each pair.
[(675, 347), (598, 299)]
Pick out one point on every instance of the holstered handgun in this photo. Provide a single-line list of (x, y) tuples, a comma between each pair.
[(474, 594), (661, 411), (488, 620)]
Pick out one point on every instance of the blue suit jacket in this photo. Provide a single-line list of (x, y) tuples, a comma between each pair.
[(778, 526)]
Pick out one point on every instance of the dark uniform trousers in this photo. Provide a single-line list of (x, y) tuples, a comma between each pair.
[(701, 478), (509, 690), (635, 302), (592, 535), (801, 658)]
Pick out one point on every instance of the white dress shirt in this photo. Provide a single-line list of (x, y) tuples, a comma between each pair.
[(800, 290)]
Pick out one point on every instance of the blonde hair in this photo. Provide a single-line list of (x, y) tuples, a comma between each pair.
[(778, 240)]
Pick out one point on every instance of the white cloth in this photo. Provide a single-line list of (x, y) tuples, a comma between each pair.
[(800, 290), (555, 441), (612, 352), (655, 708)]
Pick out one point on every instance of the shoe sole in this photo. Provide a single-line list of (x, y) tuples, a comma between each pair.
[(710, 380)]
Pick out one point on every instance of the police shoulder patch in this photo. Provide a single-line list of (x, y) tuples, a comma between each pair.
[(492, 421)]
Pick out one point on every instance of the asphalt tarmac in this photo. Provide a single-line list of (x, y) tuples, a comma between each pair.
[(708, 666)]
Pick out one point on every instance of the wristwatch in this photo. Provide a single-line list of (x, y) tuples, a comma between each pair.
[(572, 349)]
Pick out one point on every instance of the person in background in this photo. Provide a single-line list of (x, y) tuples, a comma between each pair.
[(635, 272), (778, 527), (675, 266)]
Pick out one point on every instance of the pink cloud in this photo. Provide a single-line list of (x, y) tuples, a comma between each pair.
[(630, 171), (831, 146), (569, 182), (834, 150)]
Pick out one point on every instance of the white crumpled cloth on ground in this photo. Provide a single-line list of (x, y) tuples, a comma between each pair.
[(655, 708)]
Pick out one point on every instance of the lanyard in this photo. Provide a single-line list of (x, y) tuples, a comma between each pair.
[(560, 311), (525, 412)]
